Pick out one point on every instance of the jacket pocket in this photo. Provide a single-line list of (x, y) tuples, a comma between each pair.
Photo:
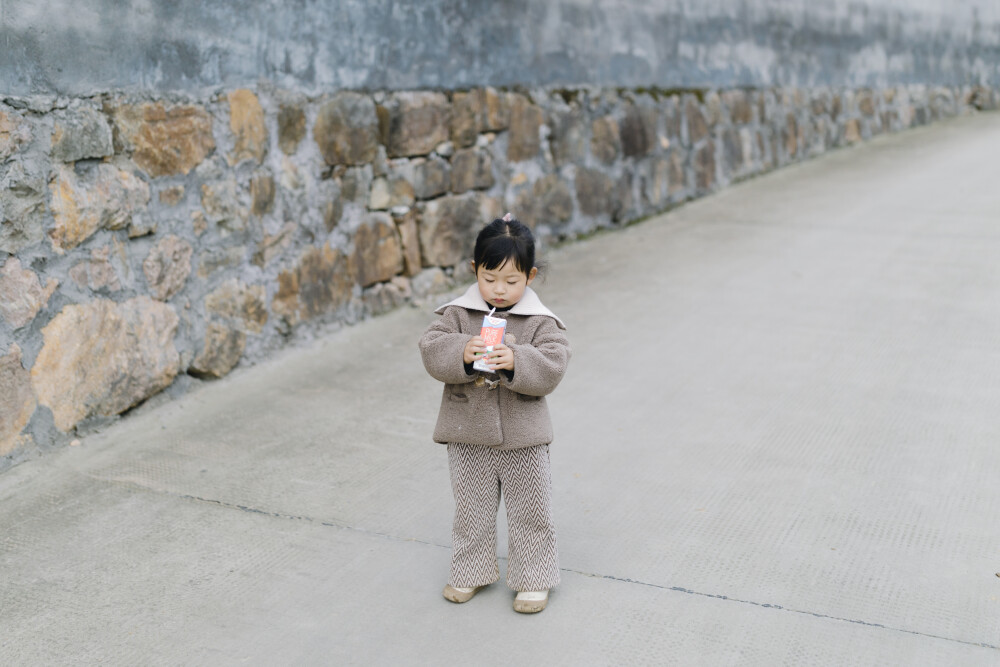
[(527, 398), (458, 397)]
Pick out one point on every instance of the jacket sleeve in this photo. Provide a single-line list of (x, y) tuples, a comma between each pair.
[(540, 364), (442, 347)]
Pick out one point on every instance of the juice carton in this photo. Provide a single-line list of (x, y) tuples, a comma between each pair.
[(492, 334)]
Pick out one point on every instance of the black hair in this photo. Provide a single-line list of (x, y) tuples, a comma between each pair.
[(504, 240)]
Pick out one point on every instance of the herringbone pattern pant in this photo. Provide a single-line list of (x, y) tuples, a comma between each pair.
[(479, 476)]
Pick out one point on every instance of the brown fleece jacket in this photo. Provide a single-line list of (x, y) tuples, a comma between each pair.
[(514, 414)]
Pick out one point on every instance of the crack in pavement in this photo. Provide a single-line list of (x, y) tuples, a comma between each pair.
[(626, 580)]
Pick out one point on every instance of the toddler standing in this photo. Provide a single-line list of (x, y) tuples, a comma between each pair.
[(496, 424)]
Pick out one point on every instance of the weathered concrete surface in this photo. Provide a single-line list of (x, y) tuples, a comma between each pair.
[(58, 47), (776, 444)]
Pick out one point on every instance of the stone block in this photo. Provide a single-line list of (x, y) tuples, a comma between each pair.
[(638, 131), (704, 166), (448, 228), (497, 110), (22, 209), (594, 191), (347, 129), (548, 202), (673, 119), (102, 358), (220, 352), (320, 284), (389, 192), (740, 109), (468, 115), (15, 132), (167, 266), (219, 200), (605, 141), (676, 175), (409, 236), (430, 177), (79, 134), (246, 120), (732, 150), (99, 197), (378, 253), (414, 123), (866, 103), (471, 169), (852, 131), (568, 140), (261, 193), (524, 142), (273, 245), (172, 196), (17, 399), (215, 259), (164, 140), (96, 273), (21, 293), (696, 124), (291, 128), (790, 136)]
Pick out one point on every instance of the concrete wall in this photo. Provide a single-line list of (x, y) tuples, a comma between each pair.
[(85, 47)]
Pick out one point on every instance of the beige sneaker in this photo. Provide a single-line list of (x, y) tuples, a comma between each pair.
[(531, 602), (460, 595)]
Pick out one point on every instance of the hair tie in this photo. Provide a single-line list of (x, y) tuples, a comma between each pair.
[(508, 217)]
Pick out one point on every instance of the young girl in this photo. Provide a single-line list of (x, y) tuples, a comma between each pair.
[(496, 424)]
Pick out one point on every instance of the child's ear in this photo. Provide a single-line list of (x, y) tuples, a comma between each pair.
[(472, 266), (532, 274)]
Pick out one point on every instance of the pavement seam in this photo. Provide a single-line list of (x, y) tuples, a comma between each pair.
[(625, 580), (778, 607)]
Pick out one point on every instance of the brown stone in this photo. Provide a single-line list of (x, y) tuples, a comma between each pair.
[(167, 266), (172, 196), (272, 246), (221, 205), (347, 129), (568, 141), (198, 223), (497, 111), (638, 131), (389, 192), (656, 182), (97, 272), (246, 120), (448, 228), (697, 126), (673, 118), (676, 175), (333, 211), (291, 128), (320, 284), (409, 236), (593, 192), (732, 150), (80, 134), (384, 297), (220, 353), (866, 103), (15, 132), (431, 177), (549, 201), (704, 166), (103, 357), (740, 109), (164, 140), (471, 169), (713, 108), (790, 134), (835, 107), (240, 305), (605, 142), (102, 197), (525, 121), (414, 123), (215, 259), (852, 131), (17, 400), (261, 193), (623, 201), (21, 293), (378, 254), (467, 110)]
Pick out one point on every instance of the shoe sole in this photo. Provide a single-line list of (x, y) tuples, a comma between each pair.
[(458, 597), (529, 606)]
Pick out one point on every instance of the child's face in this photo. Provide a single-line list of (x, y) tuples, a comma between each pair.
[(503, 286)]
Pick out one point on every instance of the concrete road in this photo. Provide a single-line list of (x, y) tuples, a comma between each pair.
[(778, 443)]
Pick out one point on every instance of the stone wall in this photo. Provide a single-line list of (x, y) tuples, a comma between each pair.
[(149, 242)]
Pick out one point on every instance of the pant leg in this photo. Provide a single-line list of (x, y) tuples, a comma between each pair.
[(533, 559), (476, 488)]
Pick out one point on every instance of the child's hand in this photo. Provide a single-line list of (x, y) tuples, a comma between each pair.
[(501, 358), (473, 349)]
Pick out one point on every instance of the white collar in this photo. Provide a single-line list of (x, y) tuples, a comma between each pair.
[(529, 304)]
